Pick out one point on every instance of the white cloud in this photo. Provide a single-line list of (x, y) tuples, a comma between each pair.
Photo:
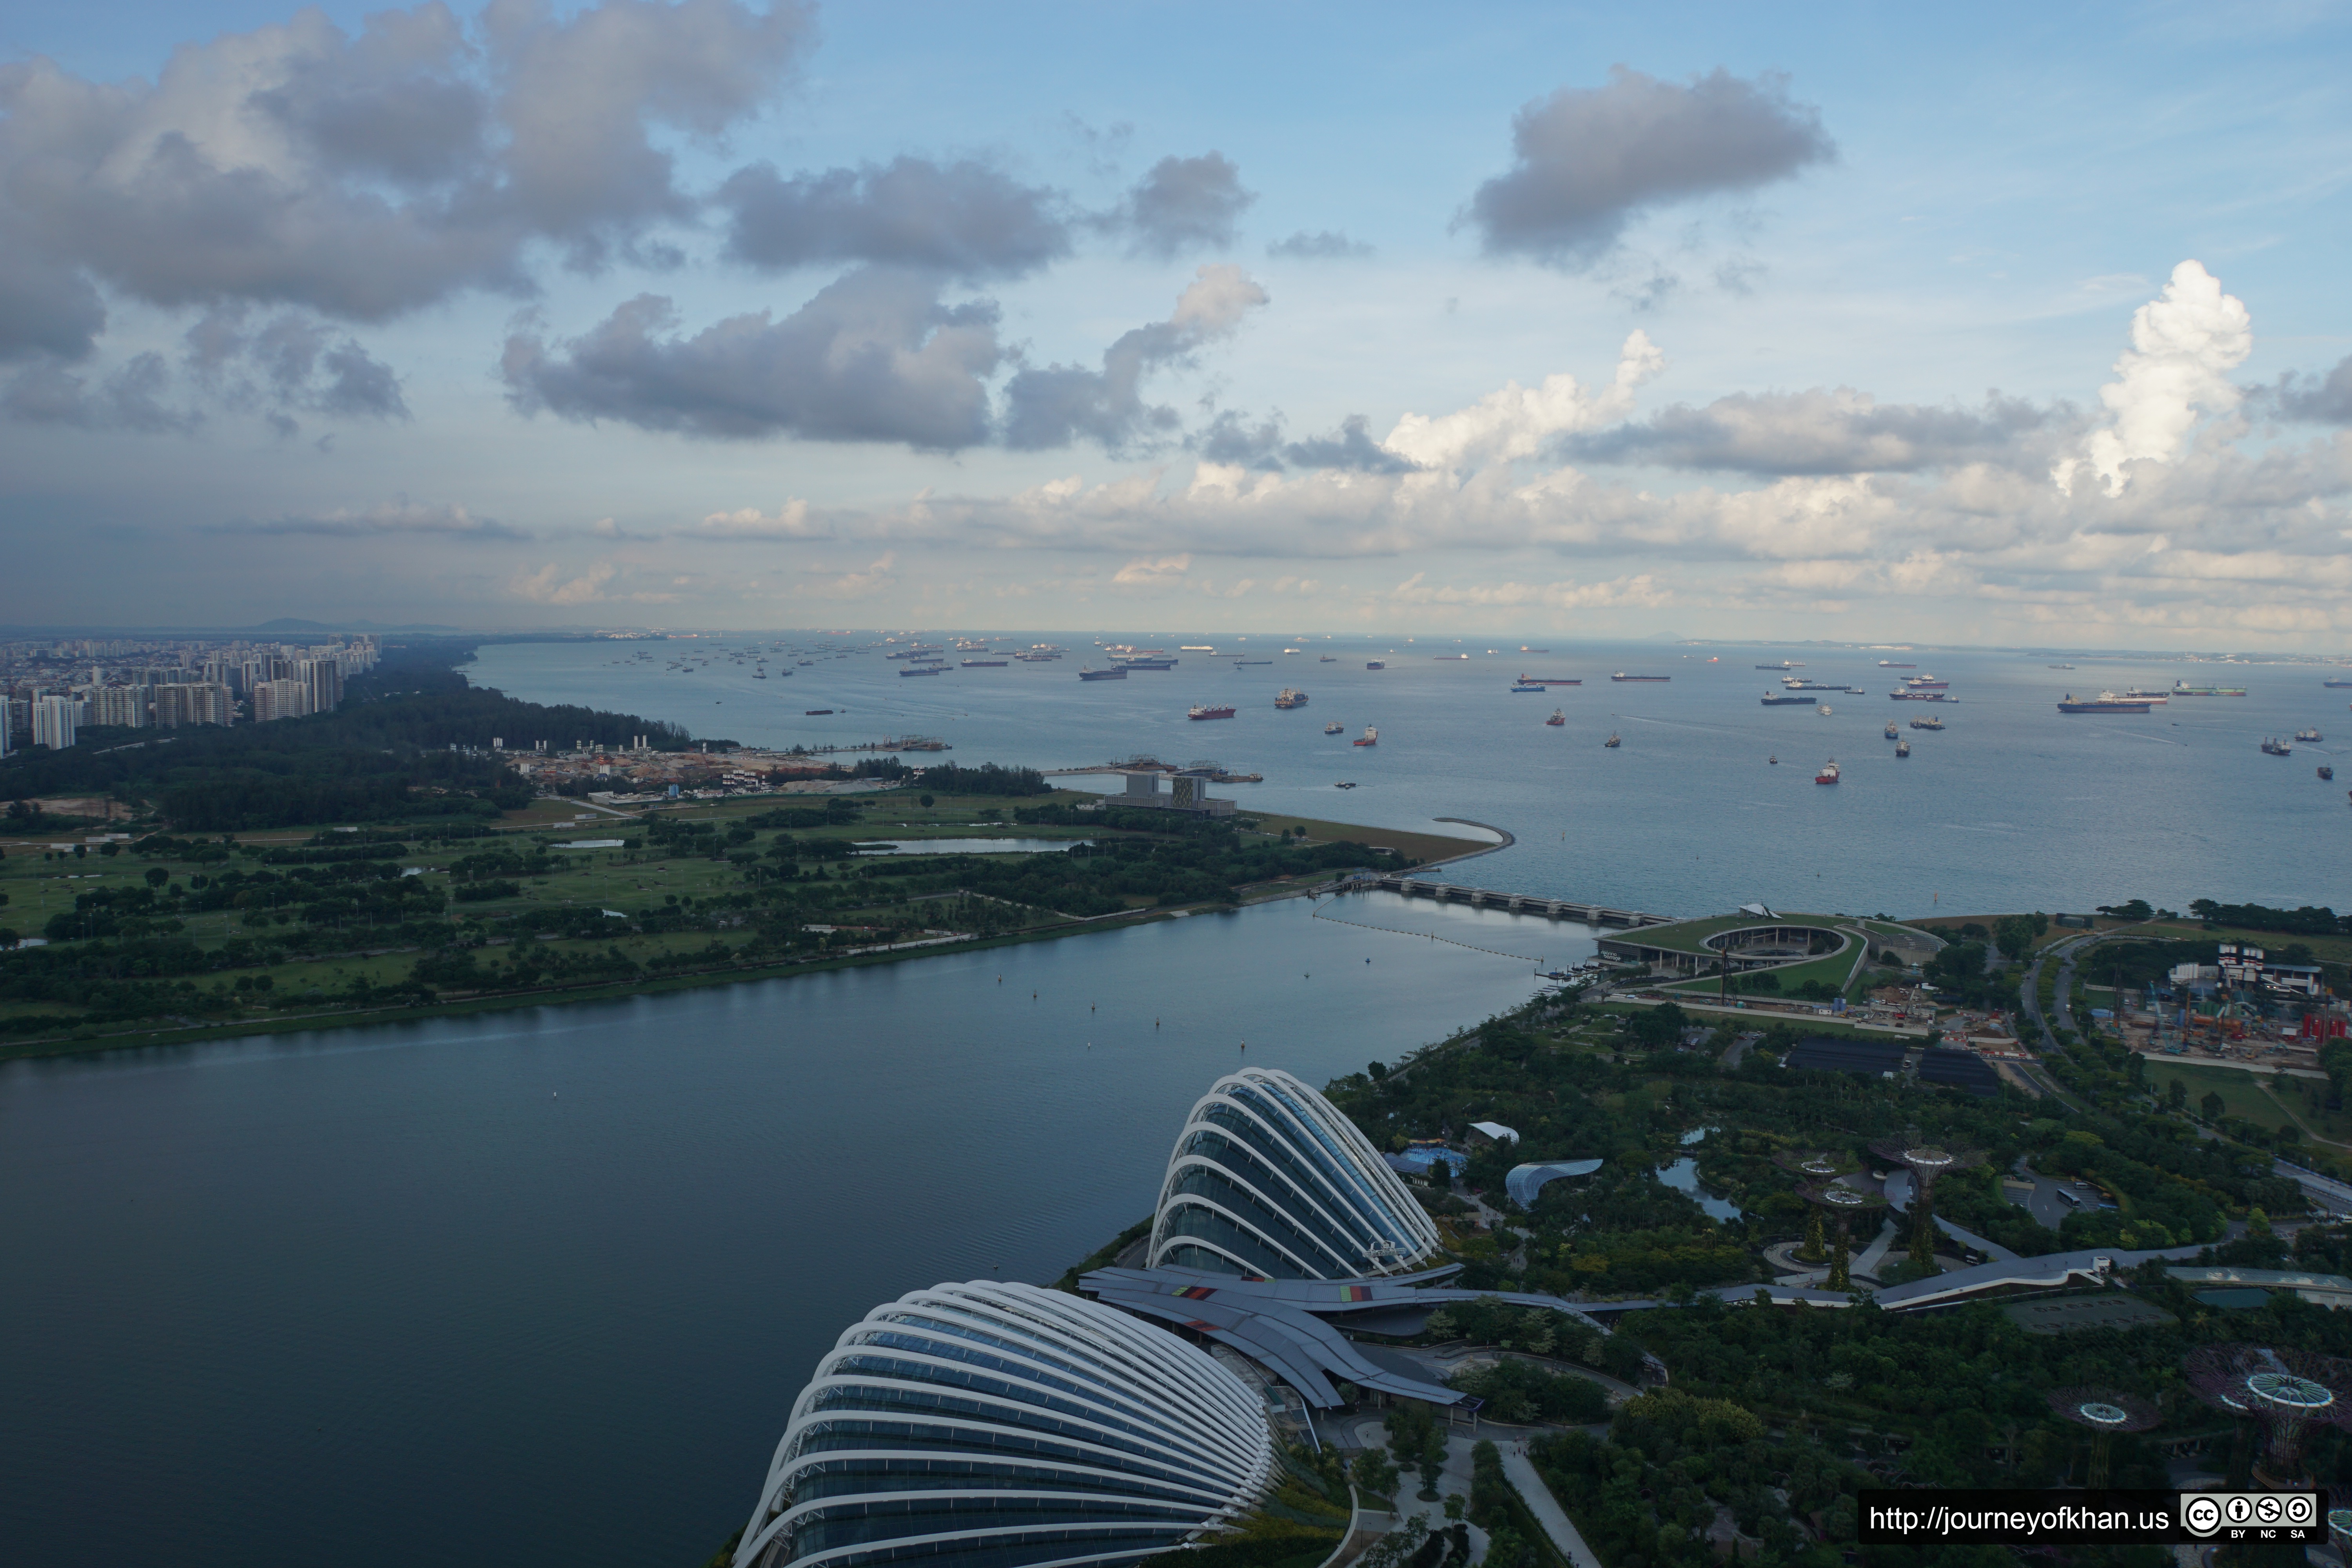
[(546, 586), (2184, 346), (1142, 570), (1520, 422)]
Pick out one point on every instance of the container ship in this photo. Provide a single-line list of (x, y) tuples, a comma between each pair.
[(1290, 697), (1204, 710), (1829, 774), (1371, 737), (1786, 699), (2137, 694), (1116, 672), (1620, 676), (2105, 702)]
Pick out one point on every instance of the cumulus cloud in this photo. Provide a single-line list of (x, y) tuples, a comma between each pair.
[(1817, 432), (1183, 204), (1324, 244), (46, 307), (289, 362), (548, 585), (1230, 438), (1144, 570), (2184, 344), (2327, 402), (964, 219), (790, 520), (875, 356), (1521, 422), (1053, 405), (401, 517), (364, 175), (131, 398), (1587, 160)]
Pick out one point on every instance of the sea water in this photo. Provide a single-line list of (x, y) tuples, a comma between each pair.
[(2014, 805)]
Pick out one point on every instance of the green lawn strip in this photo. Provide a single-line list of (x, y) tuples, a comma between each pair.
[(1831, 970)]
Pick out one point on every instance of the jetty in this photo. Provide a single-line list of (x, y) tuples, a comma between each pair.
[(1481, 898)]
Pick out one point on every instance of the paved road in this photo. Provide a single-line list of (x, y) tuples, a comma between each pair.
[(2043, 1204), (2333, 1196)]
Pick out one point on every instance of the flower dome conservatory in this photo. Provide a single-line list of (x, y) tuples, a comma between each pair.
[(1268, 1178), (1002, 1425)]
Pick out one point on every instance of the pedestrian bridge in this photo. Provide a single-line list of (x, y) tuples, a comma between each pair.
[(1481, 898)]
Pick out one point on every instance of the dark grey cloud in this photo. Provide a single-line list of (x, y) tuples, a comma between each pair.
[(1232, 439), (875, 356), (2327, 402), (1819, 432), (290, 362), (131, 399), (46, 307), (1589, 159), (1325, 244), (1056, 405), (965, 219), (364, 175), (1181, 204)]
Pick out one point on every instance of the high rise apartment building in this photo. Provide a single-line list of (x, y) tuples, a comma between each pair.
[(274, 700), (191, 703), (124, 705), (56, 722)]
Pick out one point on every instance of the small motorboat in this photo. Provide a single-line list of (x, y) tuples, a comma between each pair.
[(2326, 772), (1613, 740), (1774, 762), (1556, 717)]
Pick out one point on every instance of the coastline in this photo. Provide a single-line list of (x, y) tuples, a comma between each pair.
[(689, 980)]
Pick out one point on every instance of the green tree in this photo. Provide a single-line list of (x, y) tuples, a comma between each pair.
[(2176, 1095), (1373, 1473), (157, 875), (2213, 1105)]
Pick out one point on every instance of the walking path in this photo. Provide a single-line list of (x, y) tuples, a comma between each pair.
[(1875, 1253), (1523, 1474)]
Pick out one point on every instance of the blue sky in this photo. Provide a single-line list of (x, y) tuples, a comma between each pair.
[(2013, 325)]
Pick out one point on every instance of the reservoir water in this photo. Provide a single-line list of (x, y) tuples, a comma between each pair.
[(2012, 806), (540, 1287)]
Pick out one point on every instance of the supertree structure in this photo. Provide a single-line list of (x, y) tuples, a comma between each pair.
[(1926, 1161), (2103, 1412), (1845, 1202), (2284, 1391)]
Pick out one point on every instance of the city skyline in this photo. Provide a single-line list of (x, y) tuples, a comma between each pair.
[(720, 316)]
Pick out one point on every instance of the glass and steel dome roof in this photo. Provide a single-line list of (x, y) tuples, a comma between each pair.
[(1001, 1425), (1268, 1178)]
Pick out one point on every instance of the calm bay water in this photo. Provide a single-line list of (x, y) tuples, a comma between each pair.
[(540, 1287), (2014, 805)]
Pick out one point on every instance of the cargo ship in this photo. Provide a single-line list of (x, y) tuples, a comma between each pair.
[(1922, 697), (1371, 737), (1290, 697), (814, 712), (2105, 702), (1890, 729), (1116, 672), (1784, 664), (1549, 680), (1890, 664), (1204, 710), (1556, 717), (1786, 699), (2311, 735), (1335, 728), (1926, 683), (2274, 747), (1376, 664), (1929, 723), (2182, 689), (1902, 748), (2336, 685), (1144, 661), (1535, 686), (1829, 774), (2138, 694), (986, 664), (1620, 676), (924, 670)]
